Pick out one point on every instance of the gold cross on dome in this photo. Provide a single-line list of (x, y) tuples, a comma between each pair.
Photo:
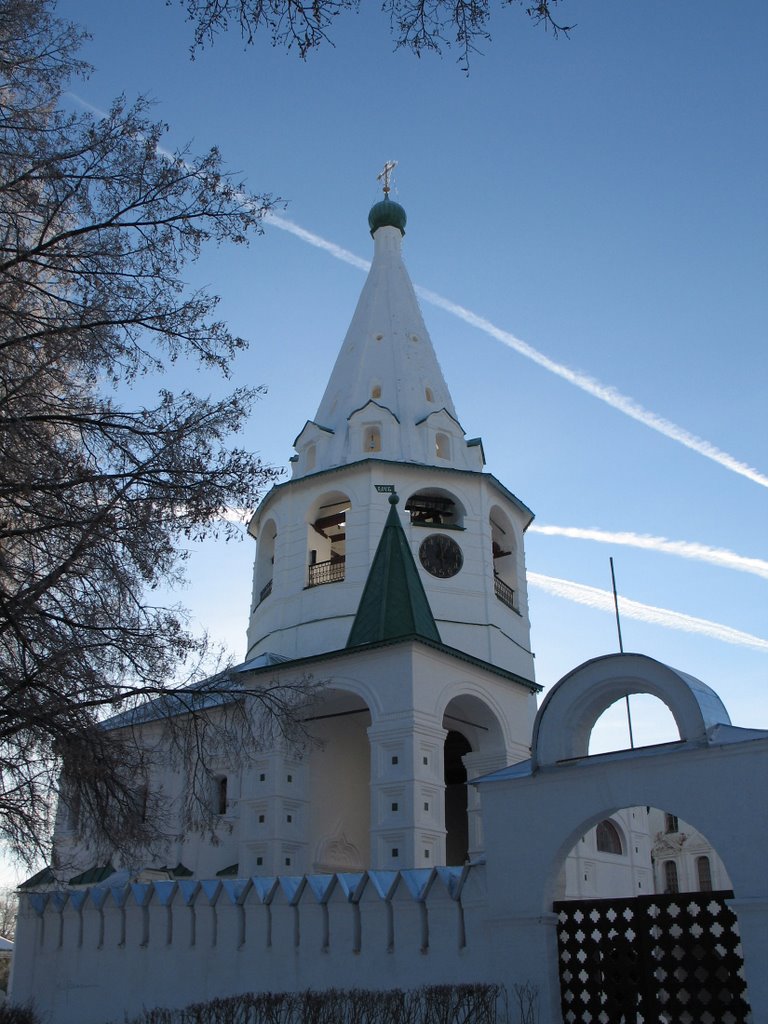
[(389, 166)]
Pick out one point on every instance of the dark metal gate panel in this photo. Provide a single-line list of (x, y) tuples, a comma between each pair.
[(673, 959)]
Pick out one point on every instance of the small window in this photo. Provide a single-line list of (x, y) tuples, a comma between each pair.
[(262, 777), (289, 778), (704, 872), (428, 394), (671, 824), (372, 439), (287, 862), (426, 854), (395, 852), (442, 446), (142, 802), (261, 819), (425, 759), (259, 861), (395, 807), (395, 759), (426, 806), (671, 884), (221, 795), (608, 838), (376, 391)]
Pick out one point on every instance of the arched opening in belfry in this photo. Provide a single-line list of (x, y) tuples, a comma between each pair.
[(456, 794), (326, 539), (504, 550), (265, 562)]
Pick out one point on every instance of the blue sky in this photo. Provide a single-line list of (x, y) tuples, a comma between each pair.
[(602, 198)]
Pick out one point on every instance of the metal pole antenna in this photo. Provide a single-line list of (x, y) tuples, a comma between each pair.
[(621, 649)]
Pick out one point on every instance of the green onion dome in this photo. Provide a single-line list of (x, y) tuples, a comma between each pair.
[(387, 214)]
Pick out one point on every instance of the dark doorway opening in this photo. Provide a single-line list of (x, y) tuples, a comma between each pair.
[(456, 823)]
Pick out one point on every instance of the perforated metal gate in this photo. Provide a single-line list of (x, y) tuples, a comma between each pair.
[(673, 959)]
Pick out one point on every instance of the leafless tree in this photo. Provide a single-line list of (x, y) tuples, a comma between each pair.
[(9, 904), (98, 497), (420, 26)]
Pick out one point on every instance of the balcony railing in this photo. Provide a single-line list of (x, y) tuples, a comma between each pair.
[(504, 592), (326, 572)]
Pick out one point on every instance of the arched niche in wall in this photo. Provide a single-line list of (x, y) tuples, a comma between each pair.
[(435, 507), (504, 554), (265, 562), (326, 538), (340, 782), (443, 445)]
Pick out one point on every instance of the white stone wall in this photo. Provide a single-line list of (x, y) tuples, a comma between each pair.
[(98, 954)]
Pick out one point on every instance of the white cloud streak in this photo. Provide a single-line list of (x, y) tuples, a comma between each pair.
[(721, 557), (602, 600), (604, 392)]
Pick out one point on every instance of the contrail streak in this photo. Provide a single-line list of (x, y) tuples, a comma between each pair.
[(682, 548), (603, 600), (606, 393)]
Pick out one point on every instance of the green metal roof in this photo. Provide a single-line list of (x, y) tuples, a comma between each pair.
[(93, 875), (43, 877), (387, 213), (393, 604)]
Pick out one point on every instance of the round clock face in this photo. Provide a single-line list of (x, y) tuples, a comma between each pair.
[(441, 556)]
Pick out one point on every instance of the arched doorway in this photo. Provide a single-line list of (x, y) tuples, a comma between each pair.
[(662, 942), (456, 795)]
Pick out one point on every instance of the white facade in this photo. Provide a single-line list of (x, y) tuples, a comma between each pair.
[(364, 859), (79, 951)]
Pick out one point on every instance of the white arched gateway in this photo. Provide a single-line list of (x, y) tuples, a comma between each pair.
[(714, 776)]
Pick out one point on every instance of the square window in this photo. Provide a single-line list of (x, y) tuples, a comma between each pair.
[(259, 861), (395, 852), (394, 807), (261, 819), (394, 759)]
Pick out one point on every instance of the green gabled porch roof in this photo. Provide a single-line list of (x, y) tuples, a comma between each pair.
[(393, 604)]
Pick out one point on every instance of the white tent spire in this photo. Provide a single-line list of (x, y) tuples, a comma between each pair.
[(386, 396)]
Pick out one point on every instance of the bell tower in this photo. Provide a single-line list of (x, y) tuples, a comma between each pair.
[(387, 417)]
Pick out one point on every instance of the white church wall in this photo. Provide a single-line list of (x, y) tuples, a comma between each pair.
[(240, 943)]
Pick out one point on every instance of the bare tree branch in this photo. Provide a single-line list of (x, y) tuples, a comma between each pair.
[(97, 499), (420, 26)]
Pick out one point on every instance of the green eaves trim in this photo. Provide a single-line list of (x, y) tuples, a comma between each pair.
[(453, 652)]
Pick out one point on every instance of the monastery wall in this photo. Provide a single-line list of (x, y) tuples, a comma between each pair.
[(87, 956)]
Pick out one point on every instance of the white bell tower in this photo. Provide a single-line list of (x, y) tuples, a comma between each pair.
[(387, 417)]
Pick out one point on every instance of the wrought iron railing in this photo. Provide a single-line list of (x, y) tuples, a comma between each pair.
[(504, 592), (326, 572)]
